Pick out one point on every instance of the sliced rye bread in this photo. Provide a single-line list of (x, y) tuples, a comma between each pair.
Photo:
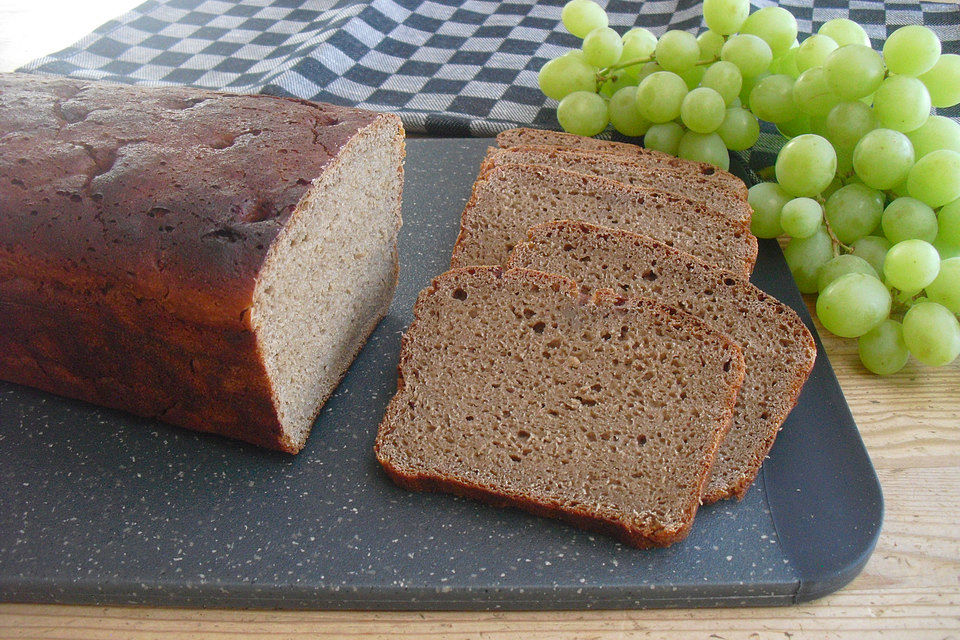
[(601, 411), (703, 184), (540, 138), (777, 348), (507, 200)]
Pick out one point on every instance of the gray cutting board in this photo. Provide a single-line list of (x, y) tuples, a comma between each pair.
[(98, 506)]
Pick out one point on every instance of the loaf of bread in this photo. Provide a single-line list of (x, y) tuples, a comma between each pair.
[(509, 199), (603, 412), (778, 349), (523, 137), (703, 184), (210, 260)]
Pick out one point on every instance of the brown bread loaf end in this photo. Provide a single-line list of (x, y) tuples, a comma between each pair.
[(210, 260)]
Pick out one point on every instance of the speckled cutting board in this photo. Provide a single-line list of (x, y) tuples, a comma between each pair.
[(97, 506)]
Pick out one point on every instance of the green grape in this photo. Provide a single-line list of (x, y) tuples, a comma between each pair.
[(624, 115), (911, 50), (787, 64), (882, 349), (812, 93), (677, 51), (772, 99), (702, 110), (692, 76), (814, 51), (564, 75), (943, 81), (902, 103), (801, 217), (854, 211), (638, 43), (948, 221), (747, 87), (844, 32), (873, 249), (854, 71), (797, 126), (664, 137), (751, 54), (911, 265), (935, 178), (647, 69), (938, 132), (883, 158), (616, 81), (945, 288), (841, 266), (835, 184), (775, 25), (806, 256), (932, 334), (583, 113), (602, 47), (806, 165), (710, 43), (906, 218), (704, 147), (946, 250), (847, 123), (739, 129), (853, 304), (767, 200), (660, 95), (725, 16), (724, 78), (580, 17)]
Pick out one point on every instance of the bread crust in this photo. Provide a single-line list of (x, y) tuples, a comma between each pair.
[(134, 223), (658, 536)]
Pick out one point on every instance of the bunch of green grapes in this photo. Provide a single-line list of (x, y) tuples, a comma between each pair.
[(868, 190), (867, 186), (686, 95)]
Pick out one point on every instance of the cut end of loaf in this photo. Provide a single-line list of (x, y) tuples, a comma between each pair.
[(329, 276)]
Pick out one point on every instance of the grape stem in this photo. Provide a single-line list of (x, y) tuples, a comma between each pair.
[(604, 74), (837, 245)]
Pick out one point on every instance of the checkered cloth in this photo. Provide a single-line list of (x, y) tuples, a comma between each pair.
[(447, 67)]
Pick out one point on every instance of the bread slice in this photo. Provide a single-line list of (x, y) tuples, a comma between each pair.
[(700, 183), (602, 412), (538, 138), (507, 200), (777, 348)]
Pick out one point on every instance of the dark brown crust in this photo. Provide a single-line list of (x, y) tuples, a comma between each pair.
[(173, 194), (659, 537), (786, 313), (752, 247), (524, 137), (133, 225)]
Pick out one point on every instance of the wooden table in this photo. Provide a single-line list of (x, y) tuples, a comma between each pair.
[(910, 588)]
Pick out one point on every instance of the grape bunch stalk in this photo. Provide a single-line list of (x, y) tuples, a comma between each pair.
[(867, 184)]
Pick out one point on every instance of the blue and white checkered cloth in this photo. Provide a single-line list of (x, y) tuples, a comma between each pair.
[(446, 67)]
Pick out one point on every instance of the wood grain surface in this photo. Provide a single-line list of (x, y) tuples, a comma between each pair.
[(909, 589)]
